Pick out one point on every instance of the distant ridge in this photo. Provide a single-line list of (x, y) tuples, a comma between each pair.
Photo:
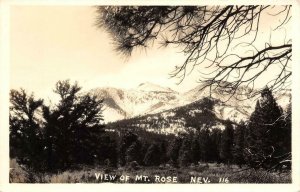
[(150, 98)]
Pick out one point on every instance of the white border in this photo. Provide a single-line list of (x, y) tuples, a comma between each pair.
[(4, 90)]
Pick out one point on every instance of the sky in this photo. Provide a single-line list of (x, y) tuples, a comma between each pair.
[(51, 43)]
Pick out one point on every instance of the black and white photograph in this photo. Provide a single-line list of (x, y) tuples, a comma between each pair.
[(150, 94)]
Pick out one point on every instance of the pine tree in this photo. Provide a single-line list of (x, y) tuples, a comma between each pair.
[(185, 156), (127, 139), (173, 151), (205, 144), (26, 140), (195, 148), (133, 153), (58, 136), (163, 148), (152, 156), (239, 143), (204, 32), (227, 143), (265, 131), (287, 129), (73, 127), (215, 144)]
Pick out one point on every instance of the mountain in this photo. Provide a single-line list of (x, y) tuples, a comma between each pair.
[(195, 115), (146, 98), (149, 98), (206, 112), (236, 108)]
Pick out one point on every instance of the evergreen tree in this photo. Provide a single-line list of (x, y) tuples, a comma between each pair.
[(25, 134), (239, 143), (287, 131), (127, 139), (133, 153), (107, 150), (195, 148), (163, 147), (205, 143), (185, 156), (227, 143), (215, 138), (203, 32), (173, 151), (73, 127), (56, 137), (265, 131), (152, 156)]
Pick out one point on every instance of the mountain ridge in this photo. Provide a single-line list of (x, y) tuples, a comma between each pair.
[(149, 98)]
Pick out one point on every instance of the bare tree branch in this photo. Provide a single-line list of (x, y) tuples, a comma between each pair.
[(204, 34)]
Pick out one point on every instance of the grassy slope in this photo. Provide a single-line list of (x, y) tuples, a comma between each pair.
[(213, 172)]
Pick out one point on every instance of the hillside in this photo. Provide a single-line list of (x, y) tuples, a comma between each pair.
[(196, 115), (146, 98), (149, 98)]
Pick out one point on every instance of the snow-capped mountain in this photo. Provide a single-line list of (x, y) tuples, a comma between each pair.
[(146, 98), (236, 108), (149, 98), (192, 116), (205, 113)]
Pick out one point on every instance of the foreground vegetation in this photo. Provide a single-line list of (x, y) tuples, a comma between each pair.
[(205, 173), (68, 142)]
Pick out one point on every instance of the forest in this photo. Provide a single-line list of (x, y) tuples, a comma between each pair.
[(71, 134)]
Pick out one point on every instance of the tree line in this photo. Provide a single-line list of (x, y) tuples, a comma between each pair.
[(71, 133)]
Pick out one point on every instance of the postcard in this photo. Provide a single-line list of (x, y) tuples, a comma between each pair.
[(132, 95)]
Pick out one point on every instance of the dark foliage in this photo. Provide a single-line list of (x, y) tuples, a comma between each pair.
[(206, 34), (71, 133), (239, 144), (267, 133), (57, 137), (26, 139), (227, 143), (153, 155)]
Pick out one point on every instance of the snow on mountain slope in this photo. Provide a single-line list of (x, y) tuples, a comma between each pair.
[(149, 98), (235, 108), (196, 115), (122, 103)]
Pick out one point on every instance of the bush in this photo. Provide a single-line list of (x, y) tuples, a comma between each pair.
[(17, 173)]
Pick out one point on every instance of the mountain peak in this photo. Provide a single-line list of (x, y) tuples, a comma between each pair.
[(147, 86)]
